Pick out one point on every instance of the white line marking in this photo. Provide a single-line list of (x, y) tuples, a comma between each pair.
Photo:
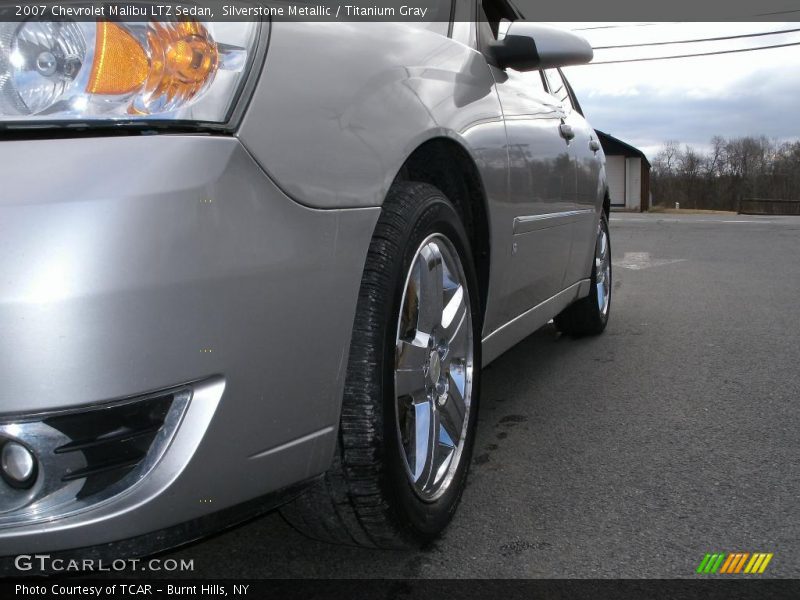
[(692, 221)]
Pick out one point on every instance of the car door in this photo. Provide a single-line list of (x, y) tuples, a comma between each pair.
[(542, 177), (584, 148)]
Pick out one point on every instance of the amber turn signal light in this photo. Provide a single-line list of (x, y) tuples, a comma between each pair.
[(177, 61)]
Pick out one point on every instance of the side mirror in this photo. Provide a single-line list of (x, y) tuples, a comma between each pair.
[(528, 46)]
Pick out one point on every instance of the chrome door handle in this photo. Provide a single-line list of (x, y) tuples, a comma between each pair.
[(566, 131), (594, 145)]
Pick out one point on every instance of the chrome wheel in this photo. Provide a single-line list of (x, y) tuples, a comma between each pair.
[(602, 263), (433, 367)]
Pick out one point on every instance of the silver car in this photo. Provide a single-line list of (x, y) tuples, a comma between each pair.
[(259, 264)]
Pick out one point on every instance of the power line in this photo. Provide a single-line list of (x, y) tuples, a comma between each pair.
[(624, 26), (629, 60), (714, 39), (777, 12), (628, 25)]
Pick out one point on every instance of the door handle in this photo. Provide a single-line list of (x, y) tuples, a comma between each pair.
[(566, 131), (594, 145)]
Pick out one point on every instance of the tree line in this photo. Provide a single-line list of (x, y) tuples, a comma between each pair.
[(733, 170)]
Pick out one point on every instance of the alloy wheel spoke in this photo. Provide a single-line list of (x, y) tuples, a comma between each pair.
[(603, 243), (423, 442), (410, 382), (443, 454), (431, 287), (457, 340), (412, 355), (454, 410), (453, 313), (601, 296)]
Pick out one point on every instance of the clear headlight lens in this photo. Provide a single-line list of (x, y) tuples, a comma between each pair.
[(66, 70)]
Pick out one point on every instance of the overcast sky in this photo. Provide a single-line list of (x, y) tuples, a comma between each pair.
[(690, 100)]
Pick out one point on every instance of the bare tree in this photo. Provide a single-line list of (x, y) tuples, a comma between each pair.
[(668, 157), (731, 170)]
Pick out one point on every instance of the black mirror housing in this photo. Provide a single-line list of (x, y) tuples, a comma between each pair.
[(528, 46)]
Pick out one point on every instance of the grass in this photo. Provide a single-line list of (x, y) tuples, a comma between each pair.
[(689, 211)]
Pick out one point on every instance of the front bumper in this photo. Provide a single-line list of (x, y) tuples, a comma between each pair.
[(135, 264)]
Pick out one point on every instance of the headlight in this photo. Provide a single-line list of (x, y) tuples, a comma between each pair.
[(56, 71)]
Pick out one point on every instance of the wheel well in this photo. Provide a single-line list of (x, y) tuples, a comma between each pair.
[(607, 205), (446, 165)]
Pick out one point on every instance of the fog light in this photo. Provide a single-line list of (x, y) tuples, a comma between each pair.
[(18, 465)]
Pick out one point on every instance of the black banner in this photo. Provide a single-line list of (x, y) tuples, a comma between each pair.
[(391, 10), (288, 589)]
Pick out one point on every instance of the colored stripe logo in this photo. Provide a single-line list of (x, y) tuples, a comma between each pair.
[(731, 563)]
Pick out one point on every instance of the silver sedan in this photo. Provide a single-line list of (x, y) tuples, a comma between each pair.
[(249, 265)]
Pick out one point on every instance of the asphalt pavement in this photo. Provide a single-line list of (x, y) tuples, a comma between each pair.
[(674, 434)]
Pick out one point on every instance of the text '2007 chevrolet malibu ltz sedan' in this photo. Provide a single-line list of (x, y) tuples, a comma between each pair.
[(260, 264)]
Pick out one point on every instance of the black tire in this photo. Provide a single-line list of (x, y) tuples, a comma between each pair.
[(584, 317), (366, 498)]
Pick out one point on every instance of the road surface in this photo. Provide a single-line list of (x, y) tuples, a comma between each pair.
[(628, 455)]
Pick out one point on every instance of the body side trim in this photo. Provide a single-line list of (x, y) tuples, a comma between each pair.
[(528, 223), (520, 327)]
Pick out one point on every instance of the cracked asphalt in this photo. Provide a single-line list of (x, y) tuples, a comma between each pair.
[(627, 455)]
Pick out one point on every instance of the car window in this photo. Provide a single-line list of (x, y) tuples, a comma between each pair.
[(503, 28), (463, 26), (486, 35), (494, 17), (537, 81), (557, 87), (438, 17)]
